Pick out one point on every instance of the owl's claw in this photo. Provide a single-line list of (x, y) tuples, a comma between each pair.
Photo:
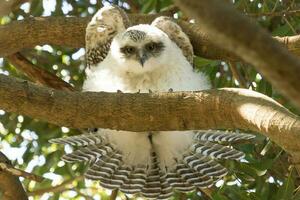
[(150, 91), (119, 91), (171, 90), (139, 91)]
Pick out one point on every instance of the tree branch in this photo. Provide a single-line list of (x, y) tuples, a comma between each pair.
[(63, 31), (274, 14), (237, 75), (59, 188), (70, 32), (210, 109), (292, 42), (37, 74), (250, 42), (19, 173), (10, 185), (114, 194)]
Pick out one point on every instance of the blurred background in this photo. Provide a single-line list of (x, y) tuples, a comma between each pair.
[(266, 172)]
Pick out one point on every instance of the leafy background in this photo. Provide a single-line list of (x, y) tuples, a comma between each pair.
[(265, 173)]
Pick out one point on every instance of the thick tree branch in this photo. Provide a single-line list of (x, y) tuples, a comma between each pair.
[(63, 31), (70, 32), (250, 42), (211, 109), (292, 42), (10, 185)]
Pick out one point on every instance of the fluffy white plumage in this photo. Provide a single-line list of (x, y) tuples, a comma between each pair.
[(139, 59), (169, 70)]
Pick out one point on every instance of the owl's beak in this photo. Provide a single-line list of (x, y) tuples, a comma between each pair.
[(142, 58)]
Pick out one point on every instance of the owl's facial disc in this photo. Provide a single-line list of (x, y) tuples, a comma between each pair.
[(141, 49)]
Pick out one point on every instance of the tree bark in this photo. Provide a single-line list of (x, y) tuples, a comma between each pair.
[(10, 185), (37, 74), (70, 32), (62, 31), (211, 109)]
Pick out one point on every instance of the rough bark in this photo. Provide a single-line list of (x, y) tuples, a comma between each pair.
[(250, 42), (10, 185), (69, 32), (62, 31), (217, 109)]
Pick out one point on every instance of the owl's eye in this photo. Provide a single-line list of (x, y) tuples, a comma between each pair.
[(128, 50), (151, 46)]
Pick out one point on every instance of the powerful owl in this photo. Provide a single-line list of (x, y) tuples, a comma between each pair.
[(143, 58)]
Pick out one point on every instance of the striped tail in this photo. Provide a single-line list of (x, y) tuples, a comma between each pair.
[(197, 168)]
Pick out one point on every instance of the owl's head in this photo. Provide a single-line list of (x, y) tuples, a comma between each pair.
[(141, 48)]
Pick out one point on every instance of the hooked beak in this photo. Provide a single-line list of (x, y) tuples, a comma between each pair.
[(142, 59)]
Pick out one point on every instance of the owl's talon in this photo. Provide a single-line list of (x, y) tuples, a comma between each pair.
[(150, 91), (92, 130), (119, 91), (171, 90), (139, 91)]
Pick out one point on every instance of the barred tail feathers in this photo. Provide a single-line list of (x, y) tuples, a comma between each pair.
[(154, 167), (85, 139), (118, 159), (222, 136), (190, 157)]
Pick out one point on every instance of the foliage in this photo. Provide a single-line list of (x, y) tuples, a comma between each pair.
[(265, 173)]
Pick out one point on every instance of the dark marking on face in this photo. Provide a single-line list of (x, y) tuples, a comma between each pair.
[(154, 48), (128, 50), (141, 55), (150, 137), (135, 35)]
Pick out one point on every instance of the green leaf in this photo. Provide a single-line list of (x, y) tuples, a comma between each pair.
[(285, 192), (149, 6)]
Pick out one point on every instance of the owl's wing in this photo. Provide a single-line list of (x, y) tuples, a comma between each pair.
[(105, 24), (175, 33)]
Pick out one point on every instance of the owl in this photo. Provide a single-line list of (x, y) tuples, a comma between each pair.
[(143, 58)]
